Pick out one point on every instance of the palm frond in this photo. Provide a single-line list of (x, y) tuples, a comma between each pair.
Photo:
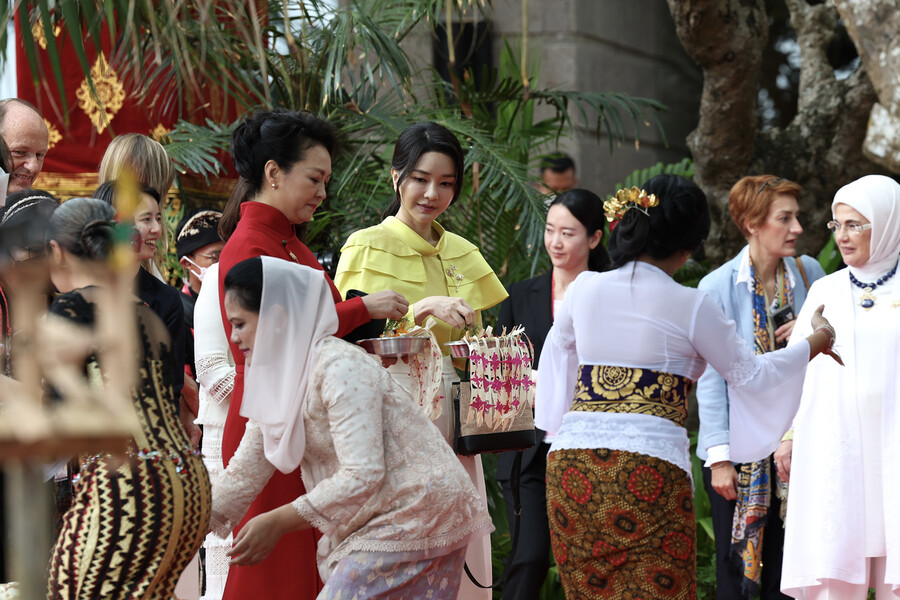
[(195, 148)]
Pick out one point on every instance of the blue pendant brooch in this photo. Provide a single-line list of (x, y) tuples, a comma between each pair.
[(867, 300)]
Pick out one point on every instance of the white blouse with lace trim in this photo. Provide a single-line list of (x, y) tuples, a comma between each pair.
[(380, 476), (215, 366), (639, 317)]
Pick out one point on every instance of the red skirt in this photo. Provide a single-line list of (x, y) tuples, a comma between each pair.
[(290, 571)]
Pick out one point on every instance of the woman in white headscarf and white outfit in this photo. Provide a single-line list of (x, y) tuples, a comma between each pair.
[(395, 507), (843, 527)]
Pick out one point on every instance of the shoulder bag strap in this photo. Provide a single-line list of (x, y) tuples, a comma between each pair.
[(802, 272)]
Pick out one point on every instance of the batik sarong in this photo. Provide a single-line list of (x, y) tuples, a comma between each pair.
[(621, 525), (386, 575)]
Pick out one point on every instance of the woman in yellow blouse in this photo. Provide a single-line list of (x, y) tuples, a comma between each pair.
[(440, 273)]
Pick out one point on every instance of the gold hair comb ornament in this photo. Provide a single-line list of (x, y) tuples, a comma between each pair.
[(625, 199)]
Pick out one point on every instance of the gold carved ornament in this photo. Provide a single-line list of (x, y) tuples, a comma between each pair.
[(53, 134), (102, 108)]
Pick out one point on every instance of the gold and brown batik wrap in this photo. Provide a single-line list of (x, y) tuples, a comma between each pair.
[(622, 523)]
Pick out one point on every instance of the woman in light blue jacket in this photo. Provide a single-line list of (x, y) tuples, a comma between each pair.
[(761, 289)]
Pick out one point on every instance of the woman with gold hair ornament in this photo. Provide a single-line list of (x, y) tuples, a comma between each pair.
[(616, 370)]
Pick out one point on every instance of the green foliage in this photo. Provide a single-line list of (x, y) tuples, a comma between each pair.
[(194, 148), (706, 546), (830, 257), (638, 177), (347, 63), (692, 272)]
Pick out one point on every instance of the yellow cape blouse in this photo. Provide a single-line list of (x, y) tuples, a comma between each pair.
[(393, 256)]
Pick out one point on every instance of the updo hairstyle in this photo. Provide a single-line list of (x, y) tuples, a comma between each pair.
[(419, 139), (231, 214), (587, 207), (280, 135), (245, 281), (680, 222), (84, 228)]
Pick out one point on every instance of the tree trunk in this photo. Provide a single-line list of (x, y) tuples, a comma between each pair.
[(873, 27), (821, 148)]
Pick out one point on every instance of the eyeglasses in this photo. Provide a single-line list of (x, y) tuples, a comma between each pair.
[(213, 256), (854, 228), (773, 183)]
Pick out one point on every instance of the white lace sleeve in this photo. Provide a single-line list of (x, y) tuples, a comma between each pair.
[(744, 366), (763, 390), (354, 423), (558, 366), (215, 366), (236, 487)]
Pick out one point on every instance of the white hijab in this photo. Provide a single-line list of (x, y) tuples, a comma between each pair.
[(877, 198), (296, 315)]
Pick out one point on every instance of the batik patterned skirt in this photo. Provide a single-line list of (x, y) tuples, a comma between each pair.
[(364, 575), (621, 525)]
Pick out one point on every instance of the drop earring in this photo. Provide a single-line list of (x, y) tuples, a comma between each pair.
[(274, 186)]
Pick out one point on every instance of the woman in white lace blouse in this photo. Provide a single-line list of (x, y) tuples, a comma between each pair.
[(395, 507), (215, 376), (616, 370)]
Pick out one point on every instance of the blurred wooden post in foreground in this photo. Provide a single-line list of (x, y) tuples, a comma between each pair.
[(90, 416)]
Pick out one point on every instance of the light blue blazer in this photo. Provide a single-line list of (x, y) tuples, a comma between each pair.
[(735, 299)]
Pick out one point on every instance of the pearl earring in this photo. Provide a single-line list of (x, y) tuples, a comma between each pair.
[(274, 186)]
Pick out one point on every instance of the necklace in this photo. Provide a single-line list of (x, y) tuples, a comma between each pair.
[(867, 300)]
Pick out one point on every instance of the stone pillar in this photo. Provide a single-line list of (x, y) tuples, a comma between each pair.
[(596, 45)]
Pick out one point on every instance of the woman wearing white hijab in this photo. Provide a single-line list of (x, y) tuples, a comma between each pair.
[(843, 526), (394, 505)]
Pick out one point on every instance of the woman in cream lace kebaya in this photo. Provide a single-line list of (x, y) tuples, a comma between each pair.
[(394, 505)]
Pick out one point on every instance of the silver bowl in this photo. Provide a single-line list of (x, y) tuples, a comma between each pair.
[(401, 345), (458, 349)]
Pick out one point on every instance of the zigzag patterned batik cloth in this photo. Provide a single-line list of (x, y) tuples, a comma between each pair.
[(135, 521)]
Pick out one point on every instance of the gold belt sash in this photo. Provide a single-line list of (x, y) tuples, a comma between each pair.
[(603, 388)]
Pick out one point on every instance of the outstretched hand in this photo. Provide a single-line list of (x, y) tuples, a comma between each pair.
[(820, 323), (256, 540), (386, 304)]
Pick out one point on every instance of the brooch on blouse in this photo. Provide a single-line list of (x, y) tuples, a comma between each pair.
[(455, 277)]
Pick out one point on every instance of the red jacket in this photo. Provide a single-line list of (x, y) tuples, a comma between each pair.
[(290, 572)]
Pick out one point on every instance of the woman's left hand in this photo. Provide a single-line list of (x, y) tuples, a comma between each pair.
[(258, 537), (783, 333)]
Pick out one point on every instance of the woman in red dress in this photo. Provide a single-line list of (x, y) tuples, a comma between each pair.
[(285, 158)]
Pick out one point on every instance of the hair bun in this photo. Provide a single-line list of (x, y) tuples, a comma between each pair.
[(243, 139), (97, 239)]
